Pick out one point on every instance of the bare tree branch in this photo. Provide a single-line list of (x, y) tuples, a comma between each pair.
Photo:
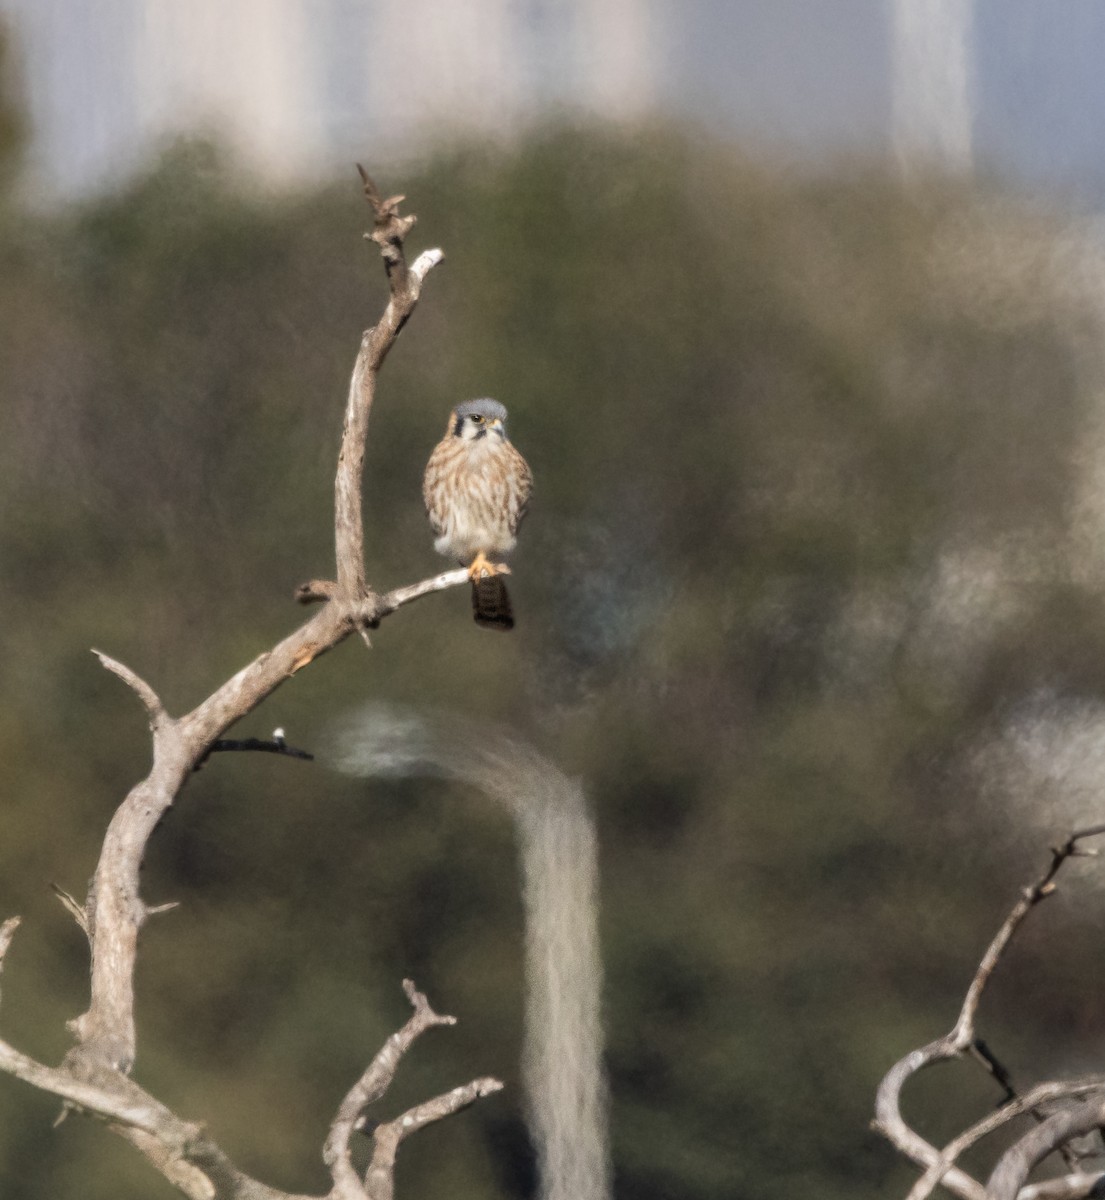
[(315, 591), (380, 1177), (1076, 1186), (116, 1099), (890, 1123), (371, 1087), (1032, 895), (962, 1041), (150, 699), (7, 932), (389, 230), (1011, 1172), (1008, 1112), (93, 1077), (397, 597), (115, 910)]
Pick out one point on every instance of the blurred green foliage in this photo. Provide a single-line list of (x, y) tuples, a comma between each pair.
[(787, 430)]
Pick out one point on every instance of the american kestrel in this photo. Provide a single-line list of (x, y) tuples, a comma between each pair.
[(476, 489)]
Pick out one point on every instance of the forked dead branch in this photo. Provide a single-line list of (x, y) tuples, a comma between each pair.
[(1056, 1128), (94, 1077)]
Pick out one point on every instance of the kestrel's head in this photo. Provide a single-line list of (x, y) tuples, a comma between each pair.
[(475, 419)]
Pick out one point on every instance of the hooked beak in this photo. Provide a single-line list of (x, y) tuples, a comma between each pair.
[(496, 425)]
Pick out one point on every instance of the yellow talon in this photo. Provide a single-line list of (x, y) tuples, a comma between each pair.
[(482, 566)]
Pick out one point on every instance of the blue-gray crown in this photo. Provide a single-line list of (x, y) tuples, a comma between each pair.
[(491, 409)]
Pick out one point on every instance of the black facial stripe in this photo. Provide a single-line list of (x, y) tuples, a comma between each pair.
[(457, 426), (481, 432)]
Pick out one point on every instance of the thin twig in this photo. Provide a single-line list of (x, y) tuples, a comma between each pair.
[(151, 702), (380, 1176), (993, 1067), (371, 1086), (981, 1053), (75, 910), (397, 597), (264, 746)]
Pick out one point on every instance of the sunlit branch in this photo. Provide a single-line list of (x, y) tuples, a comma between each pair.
[(380, 1177), (93, 1078), (371, 1086)]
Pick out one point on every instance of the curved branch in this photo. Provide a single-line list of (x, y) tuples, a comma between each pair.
[(962, 1039), (892, 1125), (1011, 1172), (151, 702), (1080, 1185), (425, 263), (1008, 1112)]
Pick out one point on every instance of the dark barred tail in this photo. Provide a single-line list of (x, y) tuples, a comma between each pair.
[(491, 603)]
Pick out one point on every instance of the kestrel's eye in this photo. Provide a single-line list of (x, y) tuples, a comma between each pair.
[(477, 419)]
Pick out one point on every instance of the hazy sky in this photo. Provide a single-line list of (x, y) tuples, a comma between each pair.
[(306, 83), (813, 74), (1041, 106)]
